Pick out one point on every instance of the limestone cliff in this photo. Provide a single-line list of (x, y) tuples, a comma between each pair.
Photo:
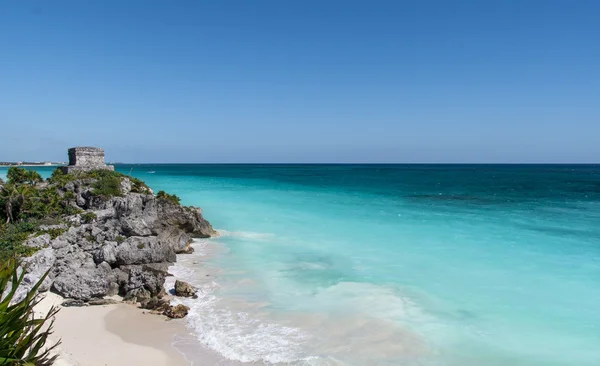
[(117, 245)]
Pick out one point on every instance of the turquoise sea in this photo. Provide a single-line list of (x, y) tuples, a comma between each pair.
[(457, 265)]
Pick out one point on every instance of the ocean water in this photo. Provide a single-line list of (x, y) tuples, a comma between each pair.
[(482, 265)]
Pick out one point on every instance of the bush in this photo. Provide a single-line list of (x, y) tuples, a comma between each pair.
[(60, 178), (107, 186), (119, 239), (88, 217), (141, 246), (12, 237), (137, 186), (23, 338), (20, 176), (168, 197)]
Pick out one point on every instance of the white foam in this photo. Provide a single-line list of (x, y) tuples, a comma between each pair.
[(251, 332), (235, 334), (246, 235)]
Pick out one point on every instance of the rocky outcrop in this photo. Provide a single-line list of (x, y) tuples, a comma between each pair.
[(184, 289), (118, 245), (177, 311)]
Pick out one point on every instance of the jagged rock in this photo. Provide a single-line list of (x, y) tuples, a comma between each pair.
[(72, 302), (138, 295), (102, 302), (36, 266), (146, 276), (107, 253), (176, 312), (141, 250), (189, 219), (125, 186), (38, 241), (177, 239), (184, 289), (155, 303), (83, 283)]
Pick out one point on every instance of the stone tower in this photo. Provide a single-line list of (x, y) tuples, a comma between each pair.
[(86, 158)]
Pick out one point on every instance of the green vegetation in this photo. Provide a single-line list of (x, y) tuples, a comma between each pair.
[(26, 203), (88, 217), (168, 197), (119, 239), (12, 237), (53, 232), (22, 176), (23, 338), (137, 186), (107, 186), (141, 246)]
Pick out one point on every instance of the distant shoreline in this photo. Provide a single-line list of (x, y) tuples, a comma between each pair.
[(17, 165)]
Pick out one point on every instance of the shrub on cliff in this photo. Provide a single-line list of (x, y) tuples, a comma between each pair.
[(168, 197), (88, 217), (12, 237), (22, 337), (107, 185)]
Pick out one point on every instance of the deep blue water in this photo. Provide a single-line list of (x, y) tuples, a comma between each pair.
[(395, 264)]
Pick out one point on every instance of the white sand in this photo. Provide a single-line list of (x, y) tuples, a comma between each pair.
[(114, 335)]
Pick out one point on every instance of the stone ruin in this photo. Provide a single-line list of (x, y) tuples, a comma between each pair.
[(85, 159)]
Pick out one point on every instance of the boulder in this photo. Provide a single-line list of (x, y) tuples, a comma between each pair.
[(184, 289), (83, 283), (176, 312), (155, 303), (147, 277), (102, 302)]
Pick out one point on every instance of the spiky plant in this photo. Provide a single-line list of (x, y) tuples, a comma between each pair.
[(23, 337)]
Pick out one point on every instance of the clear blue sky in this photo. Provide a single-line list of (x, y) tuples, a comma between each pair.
[(301, 81)]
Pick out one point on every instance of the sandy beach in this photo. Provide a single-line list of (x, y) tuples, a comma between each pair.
[(115, 335)]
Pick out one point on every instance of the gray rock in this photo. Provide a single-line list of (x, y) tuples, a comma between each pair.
[(141, 250), (177, 312), (155, 303), (83, 284), (184, 289), (143, 276), (125, 186), (36, 266), (176, 238), (59, 243), (107, 253), (38, 241), (102, 302), (126, 249), (73, 303)]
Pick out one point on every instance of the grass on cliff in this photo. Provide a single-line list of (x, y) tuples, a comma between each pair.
[(12, 237), (173, 198), (22, 337)]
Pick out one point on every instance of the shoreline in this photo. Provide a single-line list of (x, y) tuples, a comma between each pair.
[(122, 335)]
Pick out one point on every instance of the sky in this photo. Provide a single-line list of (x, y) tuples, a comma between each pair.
[(301, 81)]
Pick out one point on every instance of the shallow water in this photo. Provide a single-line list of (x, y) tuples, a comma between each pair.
[(394, 264)]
